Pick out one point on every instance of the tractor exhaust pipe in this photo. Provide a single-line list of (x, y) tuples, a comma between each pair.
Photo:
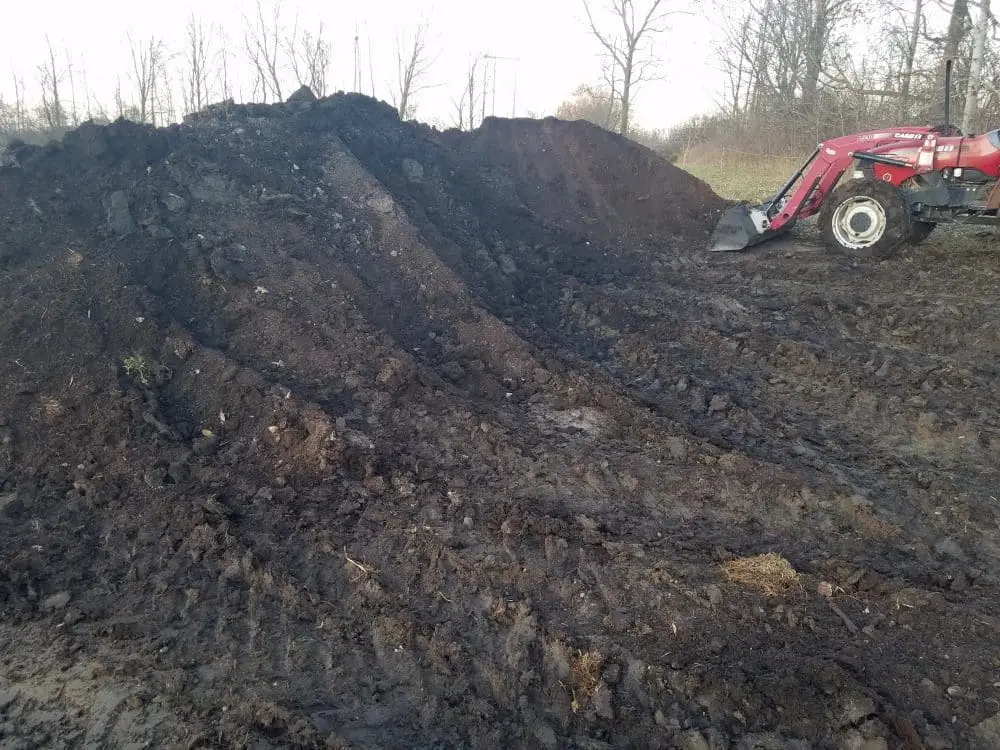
[(947, 96)]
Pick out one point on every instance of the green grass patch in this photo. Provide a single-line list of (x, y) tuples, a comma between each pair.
[(745, 180)]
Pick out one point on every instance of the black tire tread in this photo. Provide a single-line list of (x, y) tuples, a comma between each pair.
[(899, 225)]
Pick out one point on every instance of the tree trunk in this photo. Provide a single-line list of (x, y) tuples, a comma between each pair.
[(815, 51), (971, 109), (957, 28), (609, 122), (626, 92), (911, 56)]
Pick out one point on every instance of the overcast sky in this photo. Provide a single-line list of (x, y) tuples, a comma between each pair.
[(549, 38)]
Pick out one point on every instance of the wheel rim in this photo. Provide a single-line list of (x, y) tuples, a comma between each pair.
[(859, 222)]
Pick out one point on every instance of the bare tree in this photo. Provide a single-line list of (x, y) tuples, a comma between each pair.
[(958, 26), (470, 97), (120, 107), (74, 114), (51, 75), (356, 85), (971, 109), (13, 116), (148, 71), (164, 109), (195, 78), (222, 63), (310, 56), (262, 39), (913, 42), (20, 112), (596, 104), (793, 74), (629, 46), (822, 18), (412, 66)]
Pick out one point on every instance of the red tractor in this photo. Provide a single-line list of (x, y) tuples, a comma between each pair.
[(904, 182)]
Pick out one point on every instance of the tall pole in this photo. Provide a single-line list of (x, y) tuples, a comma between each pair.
[(493, 64)]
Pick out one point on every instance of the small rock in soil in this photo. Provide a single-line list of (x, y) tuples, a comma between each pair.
[(855, 708), (986, 734), (762, 741), (720, 402), (677, 447), (714, 594), (948, 547), (453, 371), (174, 203), (158, 232), (56, 601), (213, 189), (697, 400), (602, 702), (693, 740), (413, 170), (546, 736), (120, 219), (935, 740)]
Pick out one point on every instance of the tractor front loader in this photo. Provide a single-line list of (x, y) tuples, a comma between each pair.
[(903, 182)]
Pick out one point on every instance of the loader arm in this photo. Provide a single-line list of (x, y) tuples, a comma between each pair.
[(803, 194), (818, 176)]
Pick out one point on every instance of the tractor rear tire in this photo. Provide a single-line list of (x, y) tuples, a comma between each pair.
[(920, 231), (866, 219)]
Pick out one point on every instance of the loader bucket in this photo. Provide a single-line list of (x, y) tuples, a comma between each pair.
[(736, 230)]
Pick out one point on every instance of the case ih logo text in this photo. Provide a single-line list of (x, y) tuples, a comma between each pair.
[(908, 135)]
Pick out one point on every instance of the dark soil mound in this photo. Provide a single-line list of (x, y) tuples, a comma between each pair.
[(323, 430), (585, 179)]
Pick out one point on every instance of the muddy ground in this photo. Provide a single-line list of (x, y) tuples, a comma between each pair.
[(324, 430)]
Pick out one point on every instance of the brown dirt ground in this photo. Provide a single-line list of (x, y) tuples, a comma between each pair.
[(322, 430)]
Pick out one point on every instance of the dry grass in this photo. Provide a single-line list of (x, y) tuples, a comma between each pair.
[(585, 671), (738, 178), (51, 407), (770, 574)]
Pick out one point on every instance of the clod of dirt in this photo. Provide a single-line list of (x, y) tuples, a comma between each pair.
[(302, 94), (413, 170), (56, 601), (120, 219), (986, 734), (770, 574), (693, 740)]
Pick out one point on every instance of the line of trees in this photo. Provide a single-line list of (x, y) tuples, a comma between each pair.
[(797, 73), (274, 53), (272, 56)]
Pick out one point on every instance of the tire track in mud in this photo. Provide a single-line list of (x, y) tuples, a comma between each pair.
[(762, 358)]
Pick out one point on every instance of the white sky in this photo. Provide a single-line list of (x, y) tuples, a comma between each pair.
[(550, 38)]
